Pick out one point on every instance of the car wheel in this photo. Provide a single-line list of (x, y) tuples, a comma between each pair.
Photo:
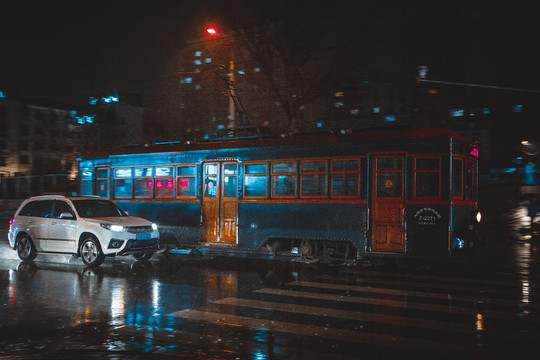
[(143, 256), (26, 249), (91, 253)]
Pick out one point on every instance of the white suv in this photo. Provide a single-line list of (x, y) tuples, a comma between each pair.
[(89, 227)]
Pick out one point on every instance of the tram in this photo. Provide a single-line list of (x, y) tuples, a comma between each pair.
[(405, 194)]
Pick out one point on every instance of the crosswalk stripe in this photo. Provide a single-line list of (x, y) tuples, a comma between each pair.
[(374, 317), (434, 283), (327, 333), (424, 294), (473, 280), (405, 303)]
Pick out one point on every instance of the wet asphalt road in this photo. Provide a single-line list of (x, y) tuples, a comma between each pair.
[(478, 306)]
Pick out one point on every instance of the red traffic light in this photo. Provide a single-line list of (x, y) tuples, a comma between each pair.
[(211, 30)]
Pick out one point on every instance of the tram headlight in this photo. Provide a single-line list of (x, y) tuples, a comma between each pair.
[(478, 217), (154, 226)]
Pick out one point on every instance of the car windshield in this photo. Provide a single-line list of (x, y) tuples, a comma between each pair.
[(97, 208)]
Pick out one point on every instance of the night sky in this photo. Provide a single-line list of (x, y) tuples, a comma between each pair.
[(68, 50)]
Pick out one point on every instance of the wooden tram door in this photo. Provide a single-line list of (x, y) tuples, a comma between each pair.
[(220, 201), (387, 203)]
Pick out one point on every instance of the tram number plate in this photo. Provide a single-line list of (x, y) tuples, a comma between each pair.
[(146, 236)]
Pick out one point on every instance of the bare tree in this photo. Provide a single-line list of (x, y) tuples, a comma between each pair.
[(302, 52)]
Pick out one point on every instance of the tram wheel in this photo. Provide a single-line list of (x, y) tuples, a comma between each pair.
[(308, 250)]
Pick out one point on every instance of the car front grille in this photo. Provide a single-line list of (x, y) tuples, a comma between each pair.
[(139, 229)]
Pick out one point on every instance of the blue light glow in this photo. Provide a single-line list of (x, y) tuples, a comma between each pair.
[(221, 127), (485, 111), (198, 62), (517, 108), (208, 60), (2, 95), (241, 72), (110, 99), (198, 53), (84, 119), (106, 99), (390, 118), (457, 112), (257, 70)]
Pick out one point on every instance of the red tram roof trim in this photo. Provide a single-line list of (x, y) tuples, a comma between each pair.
[(304, 139)]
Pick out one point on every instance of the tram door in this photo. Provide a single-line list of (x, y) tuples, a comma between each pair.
[(387, 203), (220, 201)]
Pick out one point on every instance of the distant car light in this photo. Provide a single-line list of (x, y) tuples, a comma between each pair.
[(478, 217), (154, 226)]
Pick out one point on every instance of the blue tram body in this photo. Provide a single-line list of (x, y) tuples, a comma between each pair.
[(387, 193)]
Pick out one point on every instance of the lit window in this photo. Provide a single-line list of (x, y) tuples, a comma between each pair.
[(164, 182), (255, 180), (345, 177), (198, 53), (123, 183), (517, 108), (313, 178), (198, 62), (284, 179), (376, 110), (186, 181), (457, 112)]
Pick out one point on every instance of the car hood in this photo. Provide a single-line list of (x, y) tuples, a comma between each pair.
[(120, 220)]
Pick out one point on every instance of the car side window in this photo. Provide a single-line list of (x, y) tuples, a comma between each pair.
[(27, 209), (42, 208), (61, 207)]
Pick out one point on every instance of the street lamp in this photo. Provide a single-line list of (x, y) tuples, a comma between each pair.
[(212, 31)]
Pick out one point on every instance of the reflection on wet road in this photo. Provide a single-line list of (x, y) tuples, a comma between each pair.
[(484, 305)]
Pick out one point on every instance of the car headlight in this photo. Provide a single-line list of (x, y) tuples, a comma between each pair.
[(154, 226), (478, 217), (118, 228)]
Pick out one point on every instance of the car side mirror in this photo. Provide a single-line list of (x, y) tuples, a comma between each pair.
[(66, 215)]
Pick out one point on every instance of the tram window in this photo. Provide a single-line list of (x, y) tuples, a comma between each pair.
[(210, 180), (255, 180), (103, 183), (186, 181), (284, 179), (345, 178), (230, 180), (313, 178), (164, 183), (469, 179), (87, 182), (389, 184), (427, 177), (345, 165), (389, 164), (123, 183), (457, 178), (143, 183)]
